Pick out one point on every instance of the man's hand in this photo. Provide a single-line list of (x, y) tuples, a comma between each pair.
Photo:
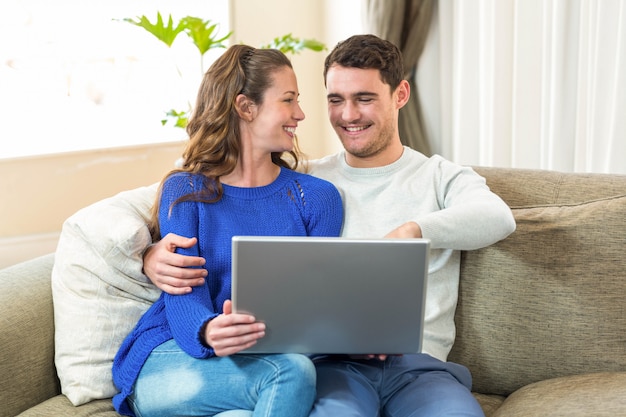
[(380, 357), (170, 271), (410, 230), (230, 333)]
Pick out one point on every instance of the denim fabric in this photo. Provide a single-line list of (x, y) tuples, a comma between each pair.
[(401, 386), (172, 383)]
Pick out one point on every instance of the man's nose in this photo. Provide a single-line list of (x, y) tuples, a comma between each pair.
[(350, 112)]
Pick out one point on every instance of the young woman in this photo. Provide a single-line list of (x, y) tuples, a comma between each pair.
[(181, 359)]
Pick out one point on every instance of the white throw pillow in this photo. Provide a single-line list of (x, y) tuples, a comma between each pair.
[(99, 290)]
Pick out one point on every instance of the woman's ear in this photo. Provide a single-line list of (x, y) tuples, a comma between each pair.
[(244, 107)]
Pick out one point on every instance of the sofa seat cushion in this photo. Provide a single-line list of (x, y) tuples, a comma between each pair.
[(489, 403), (61, 406), (597, 394)]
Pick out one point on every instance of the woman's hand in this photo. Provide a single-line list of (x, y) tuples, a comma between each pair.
[(230, 333)]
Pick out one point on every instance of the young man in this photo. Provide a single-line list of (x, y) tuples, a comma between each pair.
[(393, 191)]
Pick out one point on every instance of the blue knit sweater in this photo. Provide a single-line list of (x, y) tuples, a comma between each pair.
[(294, 204)]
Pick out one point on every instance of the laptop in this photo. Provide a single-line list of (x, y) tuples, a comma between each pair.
[(330, 295)]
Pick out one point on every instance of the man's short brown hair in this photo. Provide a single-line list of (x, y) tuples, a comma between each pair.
[(368, 52)]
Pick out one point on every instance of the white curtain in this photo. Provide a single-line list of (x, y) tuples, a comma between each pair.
[(527, 83)]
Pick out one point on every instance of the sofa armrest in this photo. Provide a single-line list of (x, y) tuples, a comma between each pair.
[(26, 336)]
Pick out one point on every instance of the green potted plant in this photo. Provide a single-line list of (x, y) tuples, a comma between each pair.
[(204, 35)]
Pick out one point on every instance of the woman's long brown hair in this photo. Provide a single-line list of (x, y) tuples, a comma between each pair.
[(214, 139)]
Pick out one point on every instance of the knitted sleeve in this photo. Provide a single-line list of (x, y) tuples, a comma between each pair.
[(186, 313)]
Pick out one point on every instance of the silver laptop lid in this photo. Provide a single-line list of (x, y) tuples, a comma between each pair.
[(332, 295)]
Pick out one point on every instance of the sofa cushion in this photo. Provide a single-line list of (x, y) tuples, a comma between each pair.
[(598, 395), (489, 403), (99, 290), (548, 301), (534, 187), (26, 336), (61, 406)]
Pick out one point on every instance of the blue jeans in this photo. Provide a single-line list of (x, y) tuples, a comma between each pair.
[(172, 383), (401, 386)]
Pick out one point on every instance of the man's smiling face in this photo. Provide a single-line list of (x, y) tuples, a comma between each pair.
[(363, 110)]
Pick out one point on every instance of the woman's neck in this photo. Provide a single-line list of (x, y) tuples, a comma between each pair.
[(252, 174)]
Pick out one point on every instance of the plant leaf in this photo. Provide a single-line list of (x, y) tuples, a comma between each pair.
[(166, 34), (202, 34), (289, 44), (180, 118)]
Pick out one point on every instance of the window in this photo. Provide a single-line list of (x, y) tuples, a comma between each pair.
[(74, 75)]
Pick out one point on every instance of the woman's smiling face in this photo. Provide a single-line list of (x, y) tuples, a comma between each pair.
[(277, 117)]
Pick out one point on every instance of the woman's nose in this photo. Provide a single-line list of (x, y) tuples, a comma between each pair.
[(298, 114)]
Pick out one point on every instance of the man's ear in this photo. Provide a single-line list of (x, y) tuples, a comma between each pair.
[(244, 107), (403, 92)]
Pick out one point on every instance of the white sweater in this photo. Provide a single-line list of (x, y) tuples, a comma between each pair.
[(452, 205)]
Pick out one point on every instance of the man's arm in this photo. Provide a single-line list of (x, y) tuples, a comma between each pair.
[(170, 271)]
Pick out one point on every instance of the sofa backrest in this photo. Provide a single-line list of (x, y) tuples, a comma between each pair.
[(549, 300)]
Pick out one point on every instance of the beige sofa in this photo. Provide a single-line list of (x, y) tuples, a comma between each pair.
[(541, 317)]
